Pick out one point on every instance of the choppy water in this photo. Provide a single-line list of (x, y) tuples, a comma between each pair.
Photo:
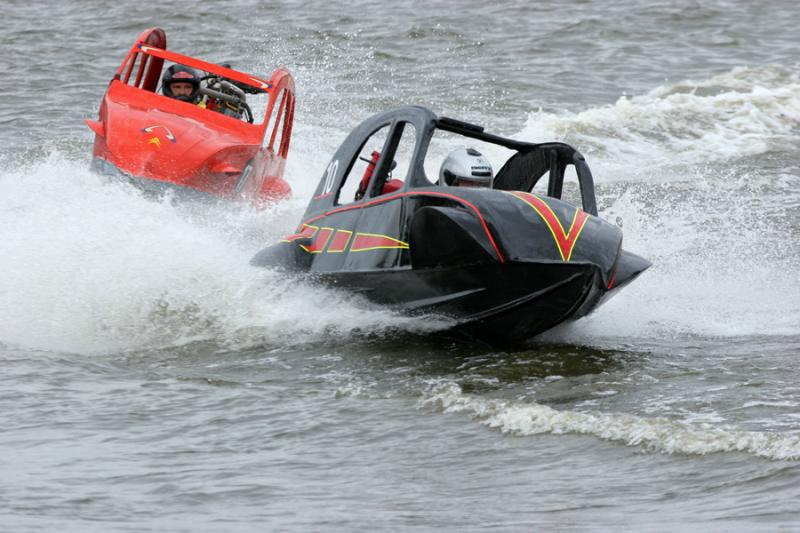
[(153, 381)]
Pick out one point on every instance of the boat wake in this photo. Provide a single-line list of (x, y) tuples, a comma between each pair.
[(660, 435)]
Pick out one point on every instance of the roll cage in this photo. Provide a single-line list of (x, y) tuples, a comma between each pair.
[(521, 172)]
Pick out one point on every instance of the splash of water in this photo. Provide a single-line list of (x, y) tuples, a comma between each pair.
[(91, 267)]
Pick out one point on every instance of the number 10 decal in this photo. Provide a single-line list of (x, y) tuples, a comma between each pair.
[(330, 176)]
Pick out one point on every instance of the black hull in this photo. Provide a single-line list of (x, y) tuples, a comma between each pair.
[(496, 304)]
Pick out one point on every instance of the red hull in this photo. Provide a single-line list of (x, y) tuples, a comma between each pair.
[(146, 136)]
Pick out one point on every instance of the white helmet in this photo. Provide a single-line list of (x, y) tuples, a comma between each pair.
[(467, 167)]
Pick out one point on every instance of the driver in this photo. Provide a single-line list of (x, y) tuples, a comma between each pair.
[(466, 167), (181, 83)]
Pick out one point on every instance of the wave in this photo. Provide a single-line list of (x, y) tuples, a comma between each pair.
[(740, 113), (652, 434)]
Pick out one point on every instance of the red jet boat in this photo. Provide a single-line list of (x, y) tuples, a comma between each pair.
[(212, 147)]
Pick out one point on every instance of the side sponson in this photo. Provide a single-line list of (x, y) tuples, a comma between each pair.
[(629, 265), (447, 236)]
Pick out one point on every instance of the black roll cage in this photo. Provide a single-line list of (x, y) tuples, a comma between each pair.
[(523, 170), (520, 172)]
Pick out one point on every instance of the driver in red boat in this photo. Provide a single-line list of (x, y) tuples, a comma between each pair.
[(181, 83), (466, 167)]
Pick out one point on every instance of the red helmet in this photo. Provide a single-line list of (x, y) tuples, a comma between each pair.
[(179, 73)]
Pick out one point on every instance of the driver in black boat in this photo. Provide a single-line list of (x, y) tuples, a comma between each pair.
[(466, 167)]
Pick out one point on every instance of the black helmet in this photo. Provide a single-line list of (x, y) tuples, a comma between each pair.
[(466, 166), (179, 73)]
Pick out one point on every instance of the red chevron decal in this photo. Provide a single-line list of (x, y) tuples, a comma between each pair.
[(340, 241), (565, 241), (307, 231), (319, 242), (371, 241)]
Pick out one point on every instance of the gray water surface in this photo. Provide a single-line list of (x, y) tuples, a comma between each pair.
[(153, 381)]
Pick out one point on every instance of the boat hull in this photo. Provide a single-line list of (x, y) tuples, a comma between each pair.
[(497, 304)]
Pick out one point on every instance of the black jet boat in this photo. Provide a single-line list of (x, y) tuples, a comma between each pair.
[(504, 262)]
